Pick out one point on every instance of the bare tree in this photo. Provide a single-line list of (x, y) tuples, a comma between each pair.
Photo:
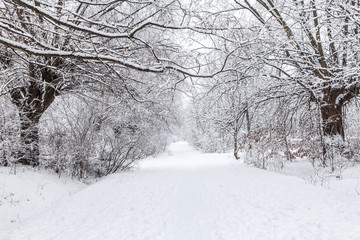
[(50, 47), (313, 44)]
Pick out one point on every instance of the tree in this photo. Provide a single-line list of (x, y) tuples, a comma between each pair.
[(222, 109), (101, 132), (313, 44), (49, 48)]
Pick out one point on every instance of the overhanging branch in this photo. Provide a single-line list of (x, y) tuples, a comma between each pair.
[(160, 68)]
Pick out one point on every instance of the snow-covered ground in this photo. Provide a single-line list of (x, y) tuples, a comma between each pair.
[(28, 193), (186, 195)]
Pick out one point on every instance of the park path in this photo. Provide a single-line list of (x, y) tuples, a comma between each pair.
[(187, 195)]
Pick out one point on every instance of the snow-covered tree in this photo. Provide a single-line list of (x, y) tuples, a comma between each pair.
[(101, 133), (48, 48), (313, 44), (310, 50)]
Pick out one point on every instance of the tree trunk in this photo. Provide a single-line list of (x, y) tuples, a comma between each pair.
[(333, 129), (29, 133), (332, 120), (247, 115), (236, 145), (32, 100)]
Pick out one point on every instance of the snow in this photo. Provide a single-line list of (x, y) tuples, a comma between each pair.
[(29, 192), (184, 194)]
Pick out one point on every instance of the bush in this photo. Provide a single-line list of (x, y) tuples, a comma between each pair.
[(92, 140), (9, 134)]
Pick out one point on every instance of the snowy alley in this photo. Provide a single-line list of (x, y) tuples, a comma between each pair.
[(179, 120), (184, 194)]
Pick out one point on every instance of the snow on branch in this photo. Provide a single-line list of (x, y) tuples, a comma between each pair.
[(56, 20), (40, 11), (99, 57)]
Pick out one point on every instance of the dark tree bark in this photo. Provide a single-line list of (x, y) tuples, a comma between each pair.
[(32, 100), (332, 118), (331, 111), (236, 144), (332, 126), (29, 134)]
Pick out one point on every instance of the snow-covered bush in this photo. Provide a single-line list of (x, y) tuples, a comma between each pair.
[(9, 134), (205, 133), (94, 138)]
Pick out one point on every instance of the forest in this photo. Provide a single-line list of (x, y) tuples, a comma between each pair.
[(89, 87)]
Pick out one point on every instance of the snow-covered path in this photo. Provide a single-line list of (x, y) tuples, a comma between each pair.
[(186, 195)]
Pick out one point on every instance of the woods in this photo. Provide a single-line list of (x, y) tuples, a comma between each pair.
[(308, 53), (274, 79), (93, 49)]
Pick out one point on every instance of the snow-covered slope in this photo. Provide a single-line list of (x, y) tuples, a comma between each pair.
[(186, 195), (30, 192)]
